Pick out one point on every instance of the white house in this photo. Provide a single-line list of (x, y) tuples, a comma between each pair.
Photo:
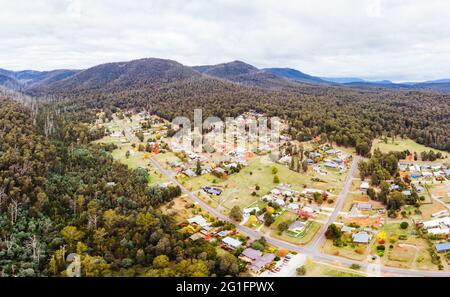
[(231, 243), (293, 206)]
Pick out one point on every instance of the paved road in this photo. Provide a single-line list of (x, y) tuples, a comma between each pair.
[(312, 251), (315, 245)]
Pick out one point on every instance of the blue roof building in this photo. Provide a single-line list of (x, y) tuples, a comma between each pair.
[(443, 247)]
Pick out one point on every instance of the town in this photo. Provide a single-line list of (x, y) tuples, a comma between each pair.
[(278, 212)]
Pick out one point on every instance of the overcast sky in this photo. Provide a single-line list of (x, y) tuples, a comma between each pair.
[(373, 39)]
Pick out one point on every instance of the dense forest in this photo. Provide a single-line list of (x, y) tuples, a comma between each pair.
[(61, 195), (349, 117)]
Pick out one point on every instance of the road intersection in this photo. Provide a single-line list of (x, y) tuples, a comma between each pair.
[(313, 249)]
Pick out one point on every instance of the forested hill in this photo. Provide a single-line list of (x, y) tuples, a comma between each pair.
[(351, 117), (64, 195)]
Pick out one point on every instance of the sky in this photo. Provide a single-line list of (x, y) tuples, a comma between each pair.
[(399, 40)]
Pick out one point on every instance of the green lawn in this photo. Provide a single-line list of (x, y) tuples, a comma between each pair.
[(238, 188), (134, 160), (319, 269), (306, 236), (404, 144), (405, 253)]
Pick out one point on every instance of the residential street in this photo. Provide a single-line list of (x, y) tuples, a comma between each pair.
[(312, 250)]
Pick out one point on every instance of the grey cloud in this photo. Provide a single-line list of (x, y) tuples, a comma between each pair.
[(375, 39)]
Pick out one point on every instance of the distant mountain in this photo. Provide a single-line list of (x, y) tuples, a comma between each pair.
[(144, 73), (123, 74), (243, 73), (6, 72), (384, 81), (438, 87), (9, 82), (343, 80), (30, 78), (294, 74), (378, 84), (438, 81), (227, 70), (47, 77)]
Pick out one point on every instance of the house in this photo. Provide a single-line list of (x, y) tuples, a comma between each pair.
[(275, 192), (280, 202), (308, 209), (293, 206), (419, 188), (331, 152), (199, 221), (394, 187), (288, 193), (248, 211), (443, 247), (314, 155), (437, 174), (212, 190), (189, 173), (231, 243), (427, 174), (195, 236), (439, 213), (311, 191), (439, 231), (402, 167), (364, 187), (347, 229), (364, 206), (437, 223), (249, 255), (337, 160), (416, 174), (206, 169), (219, 171), (331, 165), (361, 237), (406, 193), (285, 159), (267, 198), (231, 165), (262, 263), (176, 164), (192, 156), (297, 226)]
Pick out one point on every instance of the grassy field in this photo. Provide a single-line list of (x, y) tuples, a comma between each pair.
[(354, 195), (357, 252), (403, 144), (315, 269), (238, 188), (405, 253), (308, 234), (135, 160), (441, 191)]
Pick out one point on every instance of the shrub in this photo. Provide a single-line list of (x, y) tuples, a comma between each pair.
[(381, 248), (301, 270), (355, 266), (404, 225)]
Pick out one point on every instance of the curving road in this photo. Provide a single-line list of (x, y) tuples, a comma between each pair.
[(313, 249)]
